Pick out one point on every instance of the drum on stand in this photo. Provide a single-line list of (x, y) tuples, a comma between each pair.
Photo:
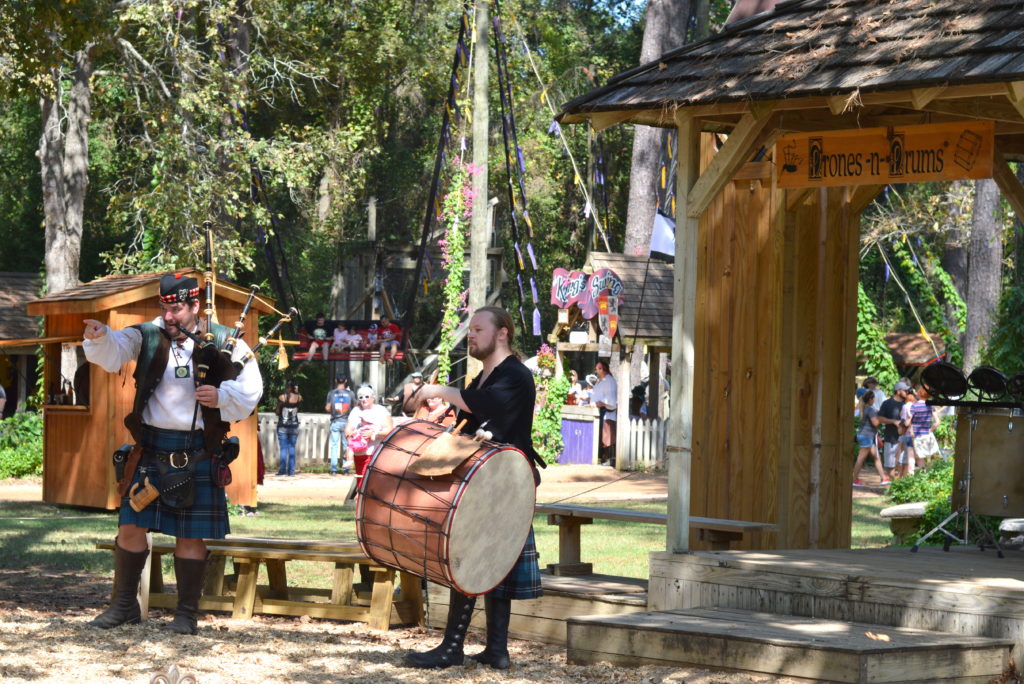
[(464, 530), (996, 447)]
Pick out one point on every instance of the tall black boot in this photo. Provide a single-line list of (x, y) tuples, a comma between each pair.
[(124, 607), (449, 652), (499, 611), (191, 575)]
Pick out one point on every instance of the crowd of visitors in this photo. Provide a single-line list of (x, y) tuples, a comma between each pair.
[(901, 425), (327, 337)]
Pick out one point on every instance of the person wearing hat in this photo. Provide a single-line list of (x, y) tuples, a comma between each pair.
[(177, 425), (889, 416)]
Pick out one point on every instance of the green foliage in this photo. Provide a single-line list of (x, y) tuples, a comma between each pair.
[(875, 357), (21, 445), (458, 207), (1005, 347), (944, 430), (934, 486), (547, 421)]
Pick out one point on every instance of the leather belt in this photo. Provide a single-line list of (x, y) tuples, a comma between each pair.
[(176, 459)]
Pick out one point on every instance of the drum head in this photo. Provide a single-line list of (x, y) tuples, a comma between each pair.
[(944, 380), (491, 521), (987, 382)]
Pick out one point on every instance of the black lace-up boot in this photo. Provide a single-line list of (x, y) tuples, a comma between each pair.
[(124, 607), (499, 611), (449, 652)]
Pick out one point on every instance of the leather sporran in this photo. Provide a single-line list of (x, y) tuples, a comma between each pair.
[(177, 485)]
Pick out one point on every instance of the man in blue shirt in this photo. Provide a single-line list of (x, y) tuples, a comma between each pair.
[(339, 403)]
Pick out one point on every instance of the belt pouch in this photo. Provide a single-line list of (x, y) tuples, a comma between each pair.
[(178, 485)]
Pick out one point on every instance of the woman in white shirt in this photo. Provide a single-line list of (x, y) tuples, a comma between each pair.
[(368, 424)]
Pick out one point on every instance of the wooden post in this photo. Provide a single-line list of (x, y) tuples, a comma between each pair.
[(478, 238), (654, 384), (622, 426), (684, 294)]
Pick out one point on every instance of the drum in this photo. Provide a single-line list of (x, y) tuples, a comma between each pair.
[(988, 383), (944, 380), (463, 530), (996, 448)]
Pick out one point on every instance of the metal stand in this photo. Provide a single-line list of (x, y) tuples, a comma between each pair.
[(965, 510)]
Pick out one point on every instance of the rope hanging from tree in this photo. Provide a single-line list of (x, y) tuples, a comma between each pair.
[(520, 242)]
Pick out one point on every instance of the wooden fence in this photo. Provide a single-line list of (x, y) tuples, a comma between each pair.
[(645, 444), (311, 446)]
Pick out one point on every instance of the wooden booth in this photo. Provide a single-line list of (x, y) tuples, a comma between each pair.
[(644, 325), (790, 123), (84, 419)]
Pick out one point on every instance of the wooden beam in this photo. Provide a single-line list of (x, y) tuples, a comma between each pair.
[(604, 120), (1015, 93), (922, 96), (1008, 184), (753, 171), (861, 196), (730, 158), (996, 109)]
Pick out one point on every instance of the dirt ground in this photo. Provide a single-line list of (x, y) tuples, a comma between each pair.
[(44, 635)]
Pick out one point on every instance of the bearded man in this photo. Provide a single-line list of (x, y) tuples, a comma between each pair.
[(500, 399), (169, 422)]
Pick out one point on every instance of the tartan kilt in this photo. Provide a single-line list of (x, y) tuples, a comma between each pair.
[(208, 516), (523, 581)]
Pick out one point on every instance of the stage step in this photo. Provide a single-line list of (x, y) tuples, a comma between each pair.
[(784, 645)]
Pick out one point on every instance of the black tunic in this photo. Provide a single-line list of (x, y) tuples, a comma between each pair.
[(503, 405)]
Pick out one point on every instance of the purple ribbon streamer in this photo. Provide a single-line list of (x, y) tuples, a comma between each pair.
[(536, 321), (533, 259)]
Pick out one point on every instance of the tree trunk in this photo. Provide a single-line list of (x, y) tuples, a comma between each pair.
[(664, 29), (954, 257), (985, 273)]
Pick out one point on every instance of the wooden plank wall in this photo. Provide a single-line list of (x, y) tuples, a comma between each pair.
[(773, 355), (78, 444)]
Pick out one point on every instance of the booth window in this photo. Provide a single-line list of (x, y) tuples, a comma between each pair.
[(66, 389)]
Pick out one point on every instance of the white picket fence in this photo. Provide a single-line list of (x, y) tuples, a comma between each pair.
[(645, 444), (311, 446)]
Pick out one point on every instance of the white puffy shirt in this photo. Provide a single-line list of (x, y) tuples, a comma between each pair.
[(606, 390), (173, 402)]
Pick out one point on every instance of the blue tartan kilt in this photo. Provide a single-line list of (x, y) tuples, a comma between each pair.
[(208, 516), (523, 581)]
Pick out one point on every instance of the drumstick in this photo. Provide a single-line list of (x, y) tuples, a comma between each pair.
[(458, 428)]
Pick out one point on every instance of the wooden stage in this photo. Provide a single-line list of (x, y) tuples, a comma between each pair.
[(544, 619)]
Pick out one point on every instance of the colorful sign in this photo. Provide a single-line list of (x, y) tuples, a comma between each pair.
[(576, 287), (879, 156)]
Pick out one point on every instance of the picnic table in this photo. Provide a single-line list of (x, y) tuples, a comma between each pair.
[(239, 593)]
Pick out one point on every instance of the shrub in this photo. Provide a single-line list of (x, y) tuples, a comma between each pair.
[(21, 445), (934, 486)]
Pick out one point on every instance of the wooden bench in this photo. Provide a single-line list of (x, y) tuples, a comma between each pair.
[(719, 533), (239, 593)]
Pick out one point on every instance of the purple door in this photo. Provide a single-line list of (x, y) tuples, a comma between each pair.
[(578, 441)]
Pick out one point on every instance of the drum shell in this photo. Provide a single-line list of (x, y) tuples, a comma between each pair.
[(432, 526), (997, 482)]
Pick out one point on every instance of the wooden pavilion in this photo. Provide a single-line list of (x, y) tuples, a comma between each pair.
[(81, 432), (771, 115)]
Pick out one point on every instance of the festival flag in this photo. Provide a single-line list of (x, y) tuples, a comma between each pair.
[(663, 238)]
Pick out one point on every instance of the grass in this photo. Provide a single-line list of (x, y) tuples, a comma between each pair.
[(63, 538)]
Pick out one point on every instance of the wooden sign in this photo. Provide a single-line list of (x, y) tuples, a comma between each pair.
[(576, 287), (879, 156)]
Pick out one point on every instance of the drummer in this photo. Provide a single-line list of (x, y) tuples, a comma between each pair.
[(500, 401)]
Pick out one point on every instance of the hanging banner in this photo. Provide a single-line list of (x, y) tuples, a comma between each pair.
[(576, 287), (880, 156)]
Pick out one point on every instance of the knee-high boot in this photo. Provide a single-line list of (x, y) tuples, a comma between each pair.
[(191, 575), (449, 652), (499, 611), (124, 607)]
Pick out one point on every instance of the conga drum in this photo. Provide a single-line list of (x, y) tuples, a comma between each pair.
[(463, 530)]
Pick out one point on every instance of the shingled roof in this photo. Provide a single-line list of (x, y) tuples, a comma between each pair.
[(16, 289), (807, 48), (653, 325)]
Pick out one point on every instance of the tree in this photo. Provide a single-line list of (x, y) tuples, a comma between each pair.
[(985, 270), (664, 29)]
